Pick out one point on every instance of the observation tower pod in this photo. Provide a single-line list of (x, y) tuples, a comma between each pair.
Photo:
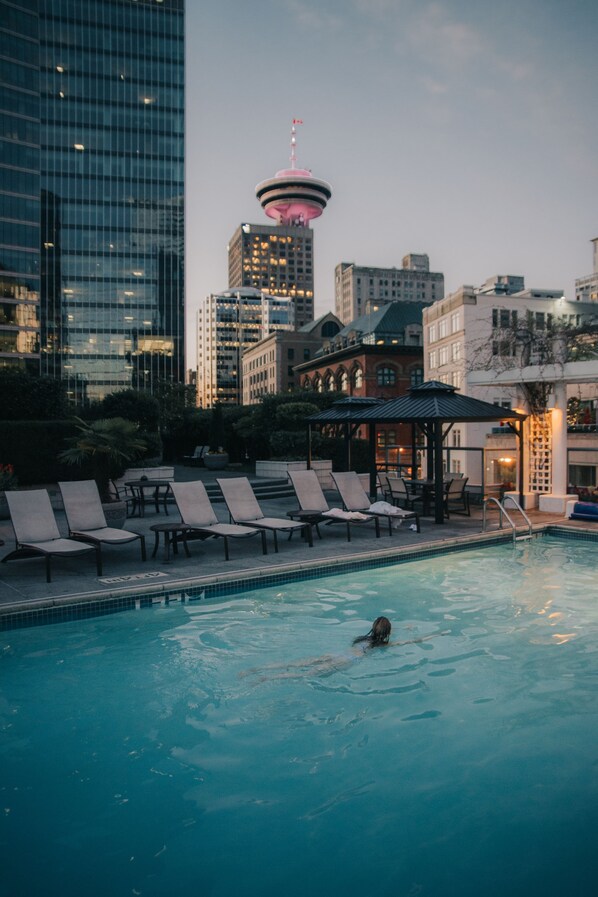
[(293, 196)]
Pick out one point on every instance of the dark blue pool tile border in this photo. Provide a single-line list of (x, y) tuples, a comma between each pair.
[(82, 610)]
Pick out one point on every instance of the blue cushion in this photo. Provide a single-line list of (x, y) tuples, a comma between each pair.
[(585, 510)]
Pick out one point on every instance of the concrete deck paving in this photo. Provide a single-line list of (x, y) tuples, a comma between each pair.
[(23, 586)]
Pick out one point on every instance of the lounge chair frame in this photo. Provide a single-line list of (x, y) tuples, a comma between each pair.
[(86, 519), (37, 533), (243, 508), (309, 493), (355, 498), (197, 513)]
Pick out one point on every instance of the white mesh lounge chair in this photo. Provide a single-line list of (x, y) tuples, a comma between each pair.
[(355, 498), (86, 519), (314, 507), (196, 511), (37, 533), (243, 507)]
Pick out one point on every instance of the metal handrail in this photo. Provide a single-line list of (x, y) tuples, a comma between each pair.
[(502, 510), (520, 509)]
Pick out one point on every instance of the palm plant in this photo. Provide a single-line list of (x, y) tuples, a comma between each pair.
[(108, 446)]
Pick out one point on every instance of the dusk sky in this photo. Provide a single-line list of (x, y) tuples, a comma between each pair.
[(466, 129)]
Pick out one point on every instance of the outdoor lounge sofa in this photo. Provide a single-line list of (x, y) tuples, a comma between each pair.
[(86, 519), (196, 511), (37, 533), (244, 507), (355, 498), (314, 507)]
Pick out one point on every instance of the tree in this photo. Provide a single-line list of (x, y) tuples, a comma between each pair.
[(107, 446), (27, 397)]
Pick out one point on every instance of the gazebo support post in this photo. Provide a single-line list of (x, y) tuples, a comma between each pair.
[(430, 442), (413, 452), (309, 446), (438, 474), (347, 446), (372, 454)]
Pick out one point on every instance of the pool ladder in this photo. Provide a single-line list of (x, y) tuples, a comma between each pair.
[(503, 512)]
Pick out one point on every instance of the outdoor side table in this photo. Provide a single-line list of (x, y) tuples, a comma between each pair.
[(158, 497), (170, 532)]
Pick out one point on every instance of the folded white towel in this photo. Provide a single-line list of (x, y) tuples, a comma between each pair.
[(339, 514), (384, 507)]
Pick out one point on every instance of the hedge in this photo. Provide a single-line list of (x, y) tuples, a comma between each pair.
[(32, 447)]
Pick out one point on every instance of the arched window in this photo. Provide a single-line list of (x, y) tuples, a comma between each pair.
[(306, 383), (343, 382), (386, 376), (330, 384), (318, 385), (357, 377)]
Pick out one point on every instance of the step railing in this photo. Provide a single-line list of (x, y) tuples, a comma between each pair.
[(504, 513)]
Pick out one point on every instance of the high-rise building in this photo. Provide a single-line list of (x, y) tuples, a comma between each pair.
[(227, 324), (359, 290), (98, 154), (276, 259), (279, 258), (19, 186), (586, 288)]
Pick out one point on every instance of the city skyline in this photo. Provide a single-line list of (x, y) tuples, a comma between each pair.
[(455, 129)]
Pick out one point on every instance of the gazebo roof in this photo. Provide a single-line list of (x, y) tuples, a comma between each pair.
[(431, 401), (350, 408)]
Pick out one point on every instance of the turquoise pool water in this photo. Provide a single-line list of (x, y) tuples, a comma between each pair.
[(157, 753)]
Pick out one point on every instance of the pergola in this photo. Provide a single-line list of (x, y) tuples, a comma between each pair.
[(432, 408)]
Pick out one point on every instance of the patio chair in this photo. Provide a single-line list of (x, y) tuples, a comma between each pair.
[(243, 507), (400, 494), (86, 519), (355, 498), (383, 485), (456, 499), (196, 511), (314, 507), (37, 533)]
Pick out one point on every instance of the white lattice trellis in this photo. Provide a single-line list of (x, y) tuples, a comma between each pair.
[(540, 453)]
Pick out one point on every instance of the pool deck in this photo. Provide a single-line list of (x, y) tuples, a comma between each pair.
[(23, 586)]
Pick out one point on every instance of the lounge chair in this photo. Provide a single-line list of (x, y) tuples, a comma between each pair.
[(355, 498), (196, 511), (86, 519), (37, 533), (243, 507), (314, 507)]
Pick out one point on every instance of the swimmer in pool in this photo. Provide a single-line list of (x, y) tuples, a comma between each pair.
[(377, 637)]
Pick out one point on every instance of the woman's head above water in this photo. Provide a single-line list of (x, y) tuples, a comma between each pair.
[(379, 634)]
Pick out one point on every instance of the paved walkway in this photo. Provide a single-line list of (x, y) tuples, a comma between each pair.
[(23, 586)]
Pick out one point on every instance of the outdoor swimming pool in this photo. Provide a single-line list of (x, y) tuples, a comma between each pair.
[(139, 756)]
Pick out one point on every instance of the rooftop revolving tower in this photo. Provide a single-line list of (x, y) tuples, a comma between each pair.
[(293, 196)]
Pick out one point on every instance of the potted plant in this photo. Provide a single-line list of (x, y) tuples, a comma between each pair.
[(8, 481), (216, 458), (106, 446)]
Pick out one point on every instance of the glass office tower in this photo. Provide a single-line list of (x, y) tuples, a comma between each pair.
[(19, 186), (112, 193)]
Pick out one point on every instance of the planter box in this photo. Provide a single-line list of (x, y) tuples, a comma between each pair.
[(280, 470), (217, 461)]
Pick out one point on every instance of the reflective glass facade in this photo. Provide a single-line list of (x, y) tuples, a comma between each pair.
[(109, 180), (19, 185)]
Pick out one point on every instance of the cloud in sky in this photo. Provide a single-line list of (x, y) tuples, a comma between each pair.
[(459, 128)]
